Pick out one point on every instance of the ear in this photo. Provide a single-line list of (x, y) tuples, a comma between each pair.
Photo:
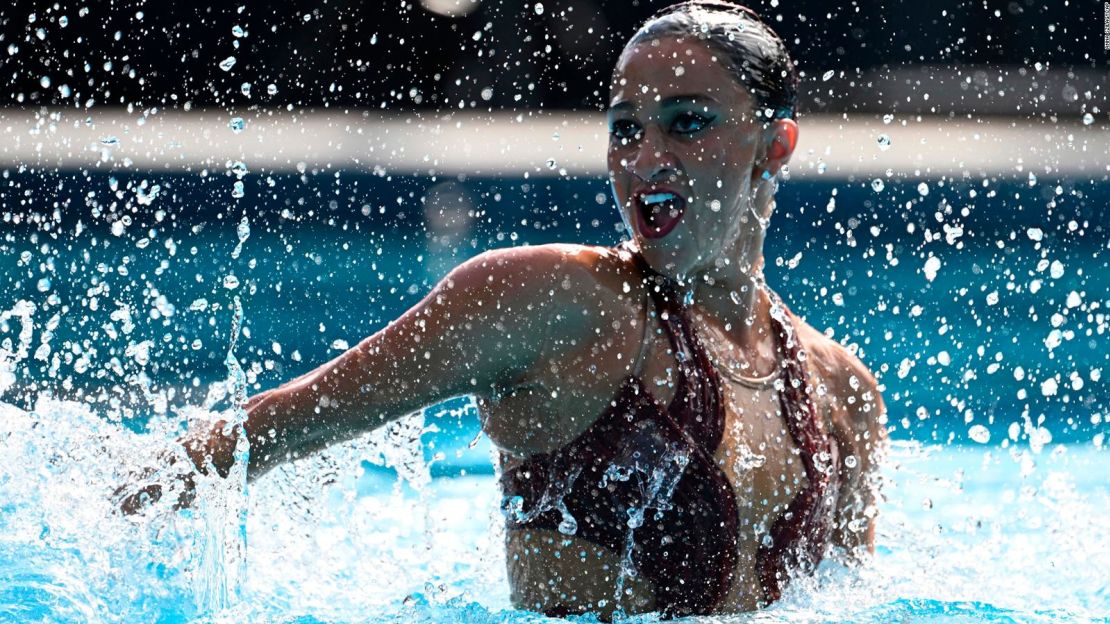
[(782, 137)]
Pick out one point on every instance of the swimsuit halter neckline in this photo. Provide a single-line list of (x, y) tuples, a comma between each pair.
[(688, 548), (799, 535)]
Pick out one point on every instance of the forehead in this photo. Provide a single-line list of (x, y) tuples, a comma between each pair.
[(653, 70)]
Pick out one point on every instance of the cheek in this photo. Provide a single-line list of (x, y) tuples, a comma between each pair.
[(718, 157), (616, 159), (713, 168)]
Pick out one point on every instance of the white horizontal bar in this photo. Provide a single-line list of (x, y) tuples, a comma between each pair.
[(511, 144)]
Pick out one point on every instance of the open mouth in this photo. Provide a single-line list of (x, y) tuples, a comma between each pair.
[(659, 211)]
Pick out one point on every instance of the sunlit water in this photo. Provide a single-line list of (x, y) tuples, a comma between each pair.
[(990, 333), (967, 533)]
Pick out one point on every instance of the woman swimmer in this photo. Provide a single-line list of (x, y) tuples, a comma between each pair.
[(672, 438)]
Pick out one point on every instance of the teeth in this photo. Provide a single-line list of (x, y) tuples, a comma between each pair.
[(655, 198)]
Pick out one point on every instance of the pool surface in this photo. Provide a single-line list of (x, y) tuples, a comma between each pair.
[(979, 303), (365, 533)]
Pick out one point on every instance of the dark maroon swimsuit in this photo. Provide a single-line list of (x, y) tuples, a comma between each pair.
[(644, 478)]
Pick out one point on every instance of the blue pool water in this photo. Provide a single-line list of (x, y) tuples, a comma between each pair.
[(979, 304), (965, 317), (966, 534)]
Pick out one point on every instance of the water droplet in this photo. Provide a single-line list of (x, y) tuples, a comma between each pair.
[(513, 507), (551, 164), (245, 88), (243, 231), (679, 70), (340, 344), (887, 118), (877, 185), (932, 266), (883, 141), (715, 205), (568, 525), (923, 189), (237, 124), (45, 82), (110, 141), (827, 75), (227, 63), (237, 189), (231, 282), (979, 433), (63, 21), (487, 94), (539, 8), (1049, 387), (271, 89), (1088, 119), (238, 31), (145, 196), (239, 169), (1034, 234)]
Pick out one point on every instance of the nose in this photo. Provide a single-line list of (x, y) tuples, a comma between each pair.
[(653, 160)]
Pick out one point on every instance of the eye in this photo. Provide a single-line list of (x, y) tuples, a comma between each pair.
[(689, 123), (625, 129)]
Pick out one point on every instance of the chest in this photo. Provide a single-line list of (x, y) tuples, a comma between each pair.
[(757, 452)]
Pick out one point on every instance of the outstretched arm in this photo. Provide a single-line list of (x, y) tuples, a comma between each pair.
[(478, 329)]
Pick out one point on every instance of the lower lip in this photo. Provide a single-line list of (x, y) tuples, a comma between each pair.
[(650, 231)]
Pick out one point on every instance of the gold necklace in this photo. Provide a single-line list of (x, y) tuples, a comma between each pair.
[(731, 369)]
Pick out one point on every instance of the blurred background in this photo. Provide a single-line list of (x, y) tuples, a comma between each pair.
[(945, 212)]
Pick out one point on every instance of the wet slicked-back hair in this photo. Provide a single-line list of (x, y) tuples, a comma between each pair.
[(754, 53)]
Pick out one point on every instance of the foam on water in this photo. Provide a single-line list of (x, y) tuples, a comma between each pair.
[(967, 534)]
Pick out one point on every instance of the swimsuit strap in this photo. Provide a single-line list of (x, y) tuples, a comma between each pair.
[(697, 383), (799, 535), (697, 410)]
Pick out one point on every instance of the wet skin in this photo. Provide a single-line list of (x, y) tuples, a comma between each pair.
[(544, 336)]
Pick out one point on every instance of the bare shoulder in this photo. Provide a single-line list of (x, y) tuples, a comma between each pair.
[(595, 278), (585, 306), (856, 412), (858, 424), (577, 267)]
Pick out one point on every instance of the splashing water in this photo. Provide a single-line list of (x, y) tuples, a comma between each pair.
[(656, 475), (24, 310), (243, 230)]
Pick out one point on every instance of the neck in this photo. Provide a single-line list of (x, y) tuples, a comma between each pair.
[(732, 299)]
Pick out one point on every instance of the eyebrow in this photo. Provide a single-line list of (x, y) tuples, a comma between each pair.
[(668, 102)]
